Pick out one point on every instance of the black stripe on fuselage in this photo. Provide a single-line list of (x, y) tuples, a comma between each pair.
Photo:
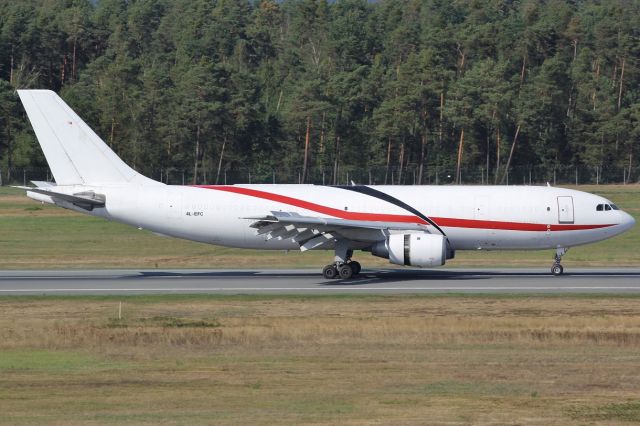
[(388, 198)]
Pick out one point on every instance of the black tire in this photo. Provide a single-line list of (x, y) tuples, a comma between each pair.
[(345, 271), (329, 272), (355, 266), (557, 270)]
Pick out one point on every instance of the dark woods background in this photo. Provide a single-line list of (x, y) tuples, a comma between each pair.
[(432, 91)]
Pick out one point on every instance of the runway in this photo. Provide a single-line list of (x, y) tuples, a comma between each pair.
[(299, 281)]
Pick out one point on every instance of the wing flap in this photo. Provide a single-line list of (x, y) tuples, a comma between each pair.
[(311, 232), (310, 221), (317, 242)]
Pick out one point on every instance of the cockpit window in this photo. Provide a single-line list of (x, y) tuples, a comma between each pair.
[(606, 207)]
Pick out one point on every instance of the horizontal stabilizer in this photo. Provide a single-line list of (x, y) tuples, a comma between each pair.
[(87, 200), (43, 184)]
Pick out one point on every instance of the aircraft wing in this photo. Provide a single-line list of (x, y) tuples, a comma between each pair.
[(314, 232)]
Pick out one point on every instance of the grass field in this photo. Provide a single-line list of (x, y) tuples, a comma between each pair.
[(34, 235), (501, 359), (320, 360)]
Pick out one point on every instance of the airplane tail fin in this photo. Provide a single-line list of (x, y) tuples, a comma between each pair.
[(76, 155)]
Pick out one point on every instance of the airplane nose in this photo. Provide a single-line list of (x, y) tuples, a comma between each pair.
[(627, 221)]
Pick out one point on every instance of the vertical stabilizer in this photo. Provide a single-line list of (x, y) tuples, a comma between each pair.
[(76, 155)]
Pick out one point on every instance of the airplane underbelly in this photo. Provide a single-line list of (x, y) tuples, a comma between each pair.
[(497, 239)]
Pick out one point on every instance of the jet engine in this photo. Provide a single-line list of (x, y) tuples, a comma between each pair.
[(417, 249)]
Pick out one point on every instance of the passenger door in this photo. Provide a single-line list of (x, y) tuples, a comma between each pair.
[(565, 209)]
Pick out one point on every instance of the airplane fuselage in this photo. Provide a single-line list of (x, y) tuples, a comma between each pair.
[(472, 217)]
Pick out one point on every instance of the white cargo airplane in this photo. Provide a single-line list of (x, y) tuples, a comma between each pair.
[(410, 225)]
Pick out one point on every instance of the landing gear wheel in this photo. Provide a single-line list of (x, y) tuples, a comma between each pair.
[(355, 266), (329, 272), (345, 271), (557, 270)]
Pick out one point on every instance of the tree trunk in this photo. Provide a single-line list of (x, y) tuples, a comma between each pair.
[(62, 71), (460, 145), (441, 116), (497, 156), (196, 156), (321, 148), (513, 146), (593, 95), (487, 160), (9, 150), (401, 163), (224, 143), (113, 132), (73, 62), (524, 65), (306, 150), (461, 61), (423, 147), (386, 173), (11, 69), (621, 81), (335, 161)]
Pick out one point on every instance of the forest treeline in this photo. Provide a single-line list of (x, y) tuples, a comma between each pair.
[(308, 86)]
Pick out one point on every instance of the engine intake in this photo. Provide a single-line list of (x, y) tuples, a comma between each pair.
[(417, 249)]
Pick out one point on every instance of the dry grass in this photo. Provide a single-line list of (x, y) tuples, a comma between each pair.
[(400, 360)]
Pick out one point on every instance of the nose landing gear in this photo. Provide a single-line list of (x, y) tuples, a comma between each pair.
[(557, 268)]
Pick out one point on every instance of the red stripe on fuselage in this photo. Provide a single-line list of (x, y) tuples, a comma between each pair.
[(383, 217), (342, 214), (507, 226)]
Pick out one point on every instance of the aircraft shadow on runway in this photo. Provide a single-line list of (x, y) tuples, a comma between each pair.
[(396, 276), (384, 275)]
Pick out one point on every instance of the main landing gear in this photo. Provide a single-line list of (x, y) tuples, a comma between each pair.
[(557, 268), (343, 267), (344, 271)]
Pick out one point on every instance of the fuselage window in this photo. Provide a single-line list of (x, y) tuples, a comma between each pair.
[(607, 207), (613, 206), (599, 207)]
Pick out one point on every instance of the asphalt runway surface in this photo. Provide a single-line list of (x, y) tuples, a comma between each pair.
[(303, 281)]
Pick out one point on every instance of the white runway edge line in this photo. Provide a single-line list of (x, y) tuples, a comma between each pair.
[(354, 289)]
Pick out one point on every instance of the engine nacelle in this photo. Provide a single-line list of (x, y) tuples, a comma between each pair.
[(418, 249)]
